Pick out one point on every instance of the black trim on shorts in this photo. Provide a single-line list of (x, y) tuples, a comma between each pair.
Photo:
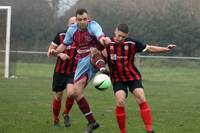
[(60, 81), (127, 85)]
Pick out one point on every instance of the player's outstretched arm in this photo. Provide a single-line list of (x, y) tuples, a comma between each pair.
[(159, 49)]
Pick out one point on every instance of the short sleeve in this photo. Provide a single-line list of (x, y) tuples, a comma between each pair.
[(56, 40), (140, 47), (95, 30), (69, 35)]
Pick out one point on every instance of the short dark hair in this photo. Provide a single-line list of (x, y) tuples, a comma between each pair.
[(81, 11), (123, 28)]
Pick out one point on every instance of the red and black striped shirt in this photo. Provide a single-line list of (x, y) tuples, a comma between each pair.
[(68, 66), (121, 60)]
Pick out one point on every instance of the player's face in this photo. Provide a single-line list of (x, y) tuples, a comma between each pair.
[(120, 36), (82, 20)]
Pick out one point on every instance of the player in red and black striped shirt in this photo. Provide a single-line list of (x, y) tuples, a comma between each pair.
[(63, 76), (125, 76)]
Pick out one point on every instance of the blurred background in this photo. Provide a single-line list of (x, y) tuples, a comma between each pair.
[(171, 80), (35, 23)]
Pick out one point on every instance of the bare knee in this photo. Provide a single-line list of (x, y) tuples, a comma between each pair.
[(120, 98), (58, 96), (120, 102), (139, 95), (140, 99)]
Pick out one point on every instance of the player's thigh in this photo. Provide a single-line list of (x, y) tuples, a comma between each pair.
[(79, 86), (120, 98), (121, 92), (139, 95), (70, 85), (137, 89)]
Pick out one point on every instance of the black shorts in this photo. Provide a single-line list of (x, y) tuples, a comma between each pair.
[(60, 81), (131, 85)]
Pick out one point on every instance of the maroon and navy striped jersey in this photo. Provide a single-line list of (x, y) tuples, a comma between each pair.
[(121, 60), (68, 66)]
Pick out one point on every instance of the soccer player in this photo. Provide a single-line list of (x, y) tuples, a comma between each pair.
[(125, 76), (86, 34), (63, 77)]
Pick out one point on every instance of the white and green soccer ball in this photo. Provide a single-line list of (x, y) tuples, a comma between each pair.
[(102, 82)]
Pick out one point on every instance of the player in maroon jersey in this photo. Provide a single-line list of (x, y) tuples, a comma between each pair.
[(125, 76), (63, 77), (86, 34)]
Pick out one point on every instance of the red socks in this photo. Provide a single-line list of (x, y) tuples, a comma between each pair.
[(56, 109), (85, 109), (121, 118), (68, 105), (145, 113)]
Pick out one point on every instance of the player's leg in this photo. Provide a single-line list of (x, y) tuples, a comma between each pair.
[(56, 107), (68, 104), (120, 114), (81, 79), (98, 61), (70, 99), (58, 86), (145, 111), (83, 104)]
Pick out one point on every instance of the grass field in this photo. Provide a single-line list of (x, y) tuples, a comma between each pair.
[(172, 92)]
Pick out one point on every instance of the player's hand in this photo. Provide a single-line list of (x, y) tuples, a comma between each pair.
[(171, 46), (51, 52), (63, 56), (105, 40)]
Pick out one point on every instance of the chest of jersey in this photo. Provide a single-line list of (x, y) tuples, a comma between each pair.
[(122, 52), (83, 39)]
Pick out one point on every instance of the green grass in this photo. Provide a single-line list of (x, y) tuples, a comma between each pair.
[(172, 92)]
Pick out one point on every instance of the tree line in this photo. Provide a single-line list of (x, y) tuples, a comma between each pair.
[(34, 23)]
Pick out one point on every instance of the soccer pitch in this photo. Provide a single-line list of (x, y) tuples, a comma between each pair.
[(173, 94)]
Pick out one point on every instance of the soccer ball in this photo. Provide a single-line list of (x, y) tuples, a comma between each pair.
[(101, 82)]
